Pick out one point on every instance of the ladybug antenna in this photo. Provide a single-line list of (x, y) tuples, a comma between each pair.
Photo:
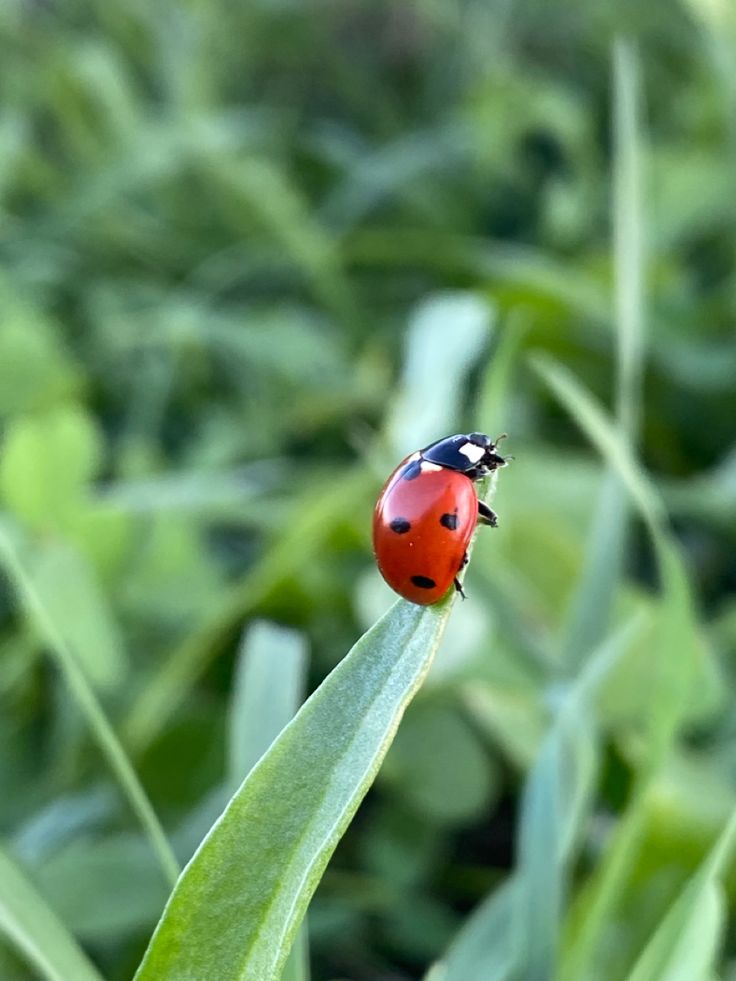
[(498, 439)]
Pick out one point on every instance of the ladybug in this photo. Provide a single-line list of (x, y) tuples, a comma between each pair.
[(427, 512)]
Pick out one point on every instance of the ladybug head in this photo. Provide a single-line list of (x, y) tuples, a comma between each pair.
[(491, 459), (473, 454)]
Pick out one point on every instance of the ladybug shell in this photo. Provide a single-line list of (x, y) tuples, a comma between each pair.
[(424, 519)]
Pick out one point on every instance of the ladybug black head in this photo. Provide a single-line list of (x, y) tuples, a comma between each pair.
[(491, 460), (473, 454)]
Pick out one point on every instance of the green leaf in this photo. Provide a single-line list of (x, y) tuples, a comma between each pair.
[(446, 336), (603, 565), (484, 947), (685, 944), (513, 933), (268, 690), (86, 701), (67, 587), (297, 963), (494, 390), (34, 929), (254, 874), (680, 661), (555, 803), (261, 186), (591, 605), (34, 368), (598, 427), (47, 460), (680, 652), (628, 234), (117, 891)]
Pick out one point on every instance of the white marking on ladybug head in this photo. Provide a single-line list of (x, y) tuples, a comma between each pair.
[(428, 467), (473, 452)]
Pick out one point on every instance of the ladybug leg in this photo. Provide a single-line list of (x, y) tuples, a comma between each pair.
[(486, 516), (458, 584)]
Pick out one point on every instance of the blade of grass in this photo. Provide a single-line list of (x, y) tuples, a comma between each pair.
[(256, 870), (685, 943), (678, 620), (484, 946), (602, 432), (446, 336), (555, 802), (493, 396), (253, 876), (676, 657), (99, 726), (36, 932), (590, 610), (627, 234), (602, 567), (513, 933), (268, 690)]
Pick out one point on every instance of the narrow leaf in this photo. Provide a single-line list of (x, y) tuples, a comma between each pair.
[(627, 234), (494, 390), (446, 336), (594, 421), (484, 946), (684, 945), (99, 725), (590, 611), (678, 655), (679, 650), (268, 690), (555, 803), (593, 600), (35, 930), (254, 874), (514, 931), (66, 585)]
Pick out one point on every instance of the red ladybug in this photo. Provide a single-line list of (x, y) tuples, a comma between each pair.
[(427, 512)]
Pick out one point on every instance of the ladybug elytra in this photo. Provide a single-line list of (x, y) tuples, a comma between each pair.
[(427, 512)]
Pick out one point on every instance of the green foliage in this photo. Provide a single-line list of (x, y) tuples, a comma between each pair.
[(257, 869), (34, 927), (253, 254)]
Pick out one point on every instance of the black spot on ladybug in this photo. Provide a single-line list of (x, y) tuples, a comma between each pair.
[(449, 521), (400, 526), (412, 470), (423, 582)]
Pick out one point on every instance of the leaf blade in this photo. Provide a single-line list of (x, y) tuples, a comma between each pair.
[(268, 689), (97, 721), (35, 930), (310, 784), (684, 944)]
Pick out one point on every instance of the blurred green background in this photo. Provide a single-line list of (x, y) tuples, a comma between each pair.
[(251, 255)]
